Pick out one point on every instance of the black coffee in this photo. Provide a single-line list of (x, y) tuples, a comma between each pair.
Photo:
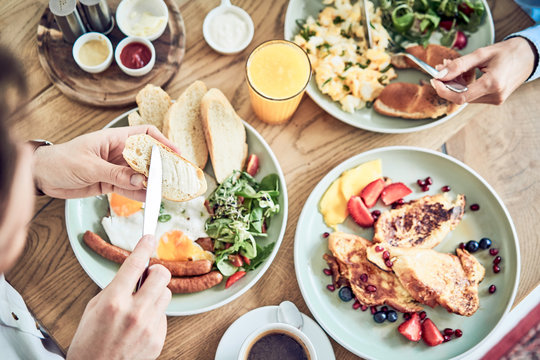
[(277, 346)]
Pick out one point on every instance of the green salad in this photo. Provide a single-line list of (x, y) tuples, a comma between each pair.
[(241, 209)]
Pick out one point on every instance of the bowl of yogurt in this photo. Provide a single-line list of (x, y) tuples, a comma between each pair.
[(228, 29), (142, 18)]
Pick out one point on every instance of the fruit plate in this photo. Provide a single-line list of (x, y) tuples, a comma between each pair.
[(86, 214), (369, 119), (356, 330)]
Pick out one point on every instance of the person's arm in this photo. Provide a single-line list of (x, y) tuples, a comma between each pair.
[(533, 35), (92, 164), (505, 66)]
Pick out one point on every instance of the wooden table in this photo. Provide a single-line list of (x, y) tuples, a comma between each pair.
[(501, 143)]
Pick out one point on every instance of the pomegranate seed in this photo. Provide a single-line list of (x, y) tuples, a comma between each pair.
[(363, 277), (388, 263), (371, 288), (425, 188), (386, 255), (445, 188), (376, 213), (458, 333), (462, 246), (429, 181), (327, 272), (384, 309), (364, 307), (421, 182), (406, 316), (373, 310), (496, 269), (446, 338), (394, 205), (326, 234), (492, 289), (493, 252), (448, 332), (497, 260), (378, 248), (331, 287), (475, 207), (356, 305), (400, 201), (423, 315)]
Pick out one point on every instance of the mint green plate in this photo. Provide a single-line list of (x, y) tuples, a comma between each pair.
[(369, 119), (356, 330), (86, 214)]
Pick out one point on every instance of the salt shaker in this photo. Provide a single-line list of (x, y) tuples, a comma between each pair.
[(68, 19), (98, 15)]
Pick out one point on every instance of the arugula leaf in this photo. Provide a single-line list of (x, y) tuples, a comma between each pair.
[(262, 254)]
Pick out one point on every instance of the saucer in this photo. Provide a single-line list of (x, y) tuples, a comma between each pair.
[(231, 341)]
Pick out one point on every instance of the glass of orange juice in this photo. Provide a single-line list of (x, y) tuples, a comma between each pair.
[(277, 72)]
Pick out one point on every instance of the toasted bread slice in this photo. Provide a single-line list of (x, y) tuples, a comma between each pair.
[(182, 181), (412, 101), (153, 104), (183, 124), (225, 134)]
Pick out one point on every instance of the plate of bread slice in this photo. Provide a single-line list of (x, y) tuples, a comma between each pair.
[(214, 143), (371, 89), (403, 252)]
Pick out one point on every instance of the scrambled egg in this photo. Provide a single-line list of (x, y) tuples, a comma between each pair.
[(345, 69)]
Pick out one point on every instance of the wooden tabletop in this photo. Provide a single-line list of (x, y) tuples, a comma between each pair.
[(499, 142)]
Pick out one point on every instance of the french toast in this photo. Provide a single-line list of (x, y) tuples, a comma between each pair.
[(370, 285)]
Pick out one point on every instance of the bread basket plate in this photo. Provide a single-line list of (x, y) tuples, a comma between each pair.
[(356, 330), (369, 119), (86, 214)]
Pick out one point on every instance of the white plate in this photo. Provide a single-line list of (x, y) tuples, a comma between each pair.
[(356, 330), (232, 339), (369, 119), (86, 214)]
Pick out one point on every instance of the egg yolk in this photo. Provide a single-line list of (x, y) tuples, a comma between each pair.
[(176, 246), (123, 206)]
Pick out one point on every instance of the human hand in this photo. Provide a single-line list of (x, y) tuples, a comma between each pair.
[(92, 164), (120, 324), (505, 66)]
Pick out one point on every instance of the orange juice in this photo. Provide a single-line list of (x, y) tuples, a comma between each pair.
[(278, 72)]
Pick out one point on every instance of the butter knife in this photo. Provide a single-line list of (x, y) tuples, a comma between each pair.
[(152, 202)]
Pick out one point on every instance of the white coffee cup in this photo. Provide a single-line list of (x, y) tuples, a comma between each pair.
[(286, 329)]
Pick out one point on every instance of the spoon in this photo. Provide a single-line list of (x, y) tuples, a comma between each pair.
[(288, 313)]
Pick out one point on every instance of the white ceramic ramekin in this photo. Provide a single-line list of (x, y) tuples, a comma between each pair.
[(81, 40), (154, 7), (135, 72)]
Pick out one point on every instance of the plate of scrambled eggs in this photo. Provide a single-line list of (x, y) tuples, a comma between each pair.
[(348, 76)]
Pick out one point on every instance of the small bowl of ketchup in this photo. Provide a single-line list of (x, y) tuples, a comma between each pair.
[(136, 56)]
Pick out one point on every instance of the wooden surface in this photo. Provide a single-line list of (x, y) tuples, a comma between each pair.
[(111, 87), (501, 143)]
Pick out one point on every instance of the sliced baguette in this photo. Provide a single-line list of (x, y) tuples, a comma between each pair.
[(225, 134), (135, 119), (182, 181), (153, 103), (183, 124)]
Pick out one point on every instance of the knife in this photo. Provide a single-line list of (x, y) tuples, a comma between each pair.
[(367, 30), (152, 202)]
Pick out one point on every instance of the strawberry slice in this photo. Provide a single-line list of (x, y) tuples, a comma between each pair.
[(411, 328), (394, 192), (359, 212), (431, 335), (252, 164), (370, 194)]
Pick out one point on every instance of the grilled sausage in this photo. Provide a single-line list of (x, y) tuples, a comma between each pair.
[(184, 285), (118, 255)]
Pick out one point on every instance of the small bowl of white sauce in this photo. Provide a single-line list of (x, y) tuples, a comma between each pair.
[(142, 18), (228, 29)]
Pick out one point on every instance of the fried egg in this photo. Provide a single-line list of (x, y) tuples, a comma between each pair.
[(179, 226)]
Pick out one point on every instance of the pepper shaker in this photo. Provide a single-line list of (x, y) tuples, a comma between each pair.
[(68, 19), (98, 15)]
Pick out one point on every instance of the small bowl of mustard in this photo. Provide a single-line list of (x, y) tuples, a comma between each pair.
[(93, 52)]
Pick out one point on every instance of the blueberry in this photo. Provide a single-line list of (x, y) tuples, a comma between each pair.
[(379, 317), (485, 243), (472, 246), (391, 316), (345, 294)]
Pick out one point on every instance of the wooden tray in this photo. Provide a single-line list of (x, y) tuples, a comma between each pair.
[(111, 87)]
